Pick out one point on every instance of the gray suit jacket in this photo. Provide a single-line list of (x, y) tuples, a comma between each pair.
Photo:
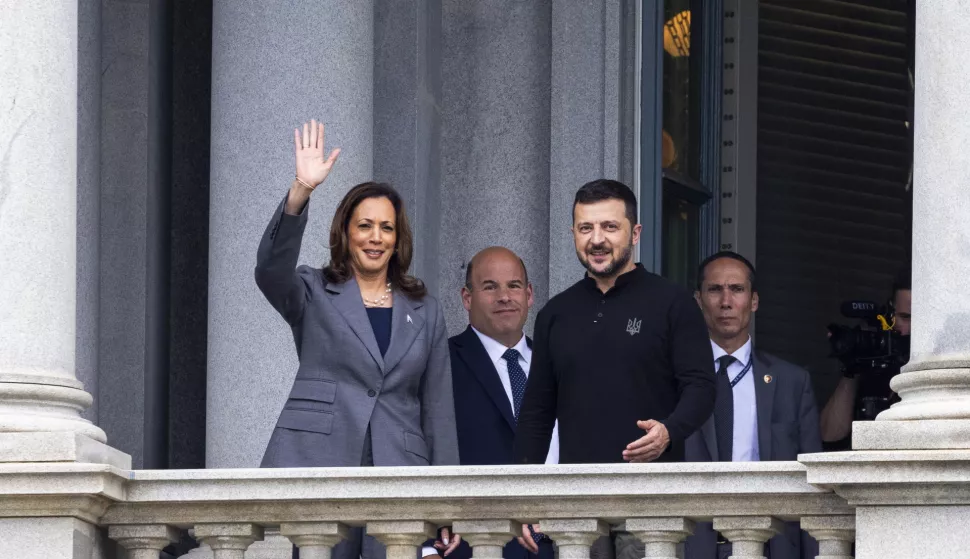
[(787, 426), (343, 384)]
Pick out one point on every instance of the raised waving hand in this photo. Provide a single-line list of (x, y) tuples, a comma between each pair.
[(312, 167)]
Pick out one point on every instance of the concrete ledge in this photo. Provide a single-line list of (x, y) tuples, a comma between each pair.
[(893, 477), (925, 434), (59, 446)]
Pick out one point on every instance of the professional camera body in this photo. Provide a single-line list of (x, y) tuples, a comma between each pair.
[(872, 351)]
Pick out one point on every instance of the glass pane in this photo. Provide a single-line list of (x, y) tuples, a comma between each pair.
[(678, 151), (681, 240)]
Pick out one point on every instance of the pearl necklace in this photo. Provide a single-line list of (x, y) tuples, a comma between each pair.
[(379, 302)]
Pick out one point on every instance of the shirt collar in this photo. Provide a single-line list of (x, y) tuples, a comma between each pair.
[(743, 353), (496, 349), (636, 273)]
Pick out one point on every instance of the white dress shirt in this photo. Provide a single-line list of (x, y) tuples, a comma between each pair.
[(495, 352), (745, 445)]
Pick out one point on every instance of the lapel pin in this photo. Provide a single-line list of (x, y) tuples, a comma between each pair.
[(412, 322), (767, 379)]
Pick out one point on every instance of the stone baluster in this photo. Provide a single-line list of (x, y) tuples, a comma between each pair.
[(574, 536), (487, 537), (660, 536), (835, 535), (143, 541), (228, 541), (274, 545), (748, 534), (315, 539), (401, 537)]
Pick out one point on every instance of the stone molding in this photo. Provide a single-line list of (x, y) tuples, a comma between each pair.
[(882, 477)]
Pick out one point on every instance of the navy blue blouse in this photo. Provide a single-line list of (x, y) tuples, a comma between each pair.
[(380, 323)]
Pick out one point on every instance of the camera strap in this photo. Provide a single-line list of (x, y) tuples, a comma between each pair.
[(743, 372)]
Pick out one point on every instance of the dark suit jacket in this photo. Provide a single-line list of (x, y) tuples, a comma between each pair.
[(787, 427), (483, 415)]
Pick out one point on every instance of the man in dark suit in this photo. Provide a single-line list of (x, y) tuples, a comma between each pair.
[(764, 409), (489, 368)]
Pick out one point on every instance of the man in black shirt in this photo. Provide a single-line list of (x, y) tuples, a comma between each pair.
[(622, 358)]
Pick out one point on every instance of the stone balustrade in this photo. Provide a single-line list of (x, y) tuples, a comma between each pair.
[(231, 509)]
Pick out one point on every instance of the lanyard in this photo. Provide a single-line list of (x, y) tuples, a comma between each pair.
[(743, 372)]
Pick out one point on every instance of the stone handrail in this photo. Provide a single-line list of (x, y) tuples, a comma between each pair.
[(230, 508)]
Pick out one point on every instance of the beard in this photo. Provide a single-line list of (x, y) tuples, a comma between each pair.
[(618, 263)]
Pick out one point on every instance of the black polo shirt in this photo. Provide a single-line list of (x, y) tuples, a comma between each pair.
[(601, 362)]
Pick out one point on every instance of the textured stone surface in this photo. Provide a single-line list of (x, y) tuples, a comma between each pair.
[(900, 532), (929, 387), (940, 434), (38, 177), (407, 120), (49, 538), (591, 67), (38, 220), (88, 198), (124, 226), (494, 141), (272, 546), (522, 494), (266, 82), (59, 447)]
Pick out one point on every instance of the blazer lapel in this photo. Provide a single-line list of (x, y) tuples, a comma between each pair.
[(473, 353), (346, 297), (405, 326), (765, 398)]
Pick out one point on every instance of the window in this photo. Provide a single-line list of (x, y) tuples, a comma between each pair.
[(684, 71)]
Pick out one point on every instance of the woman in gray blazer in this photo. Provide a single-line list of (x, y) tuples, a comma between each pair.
[(374, 383)]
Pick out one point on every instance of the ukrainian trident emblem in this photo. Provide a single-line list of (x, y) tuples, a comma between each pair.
[(633, 326)]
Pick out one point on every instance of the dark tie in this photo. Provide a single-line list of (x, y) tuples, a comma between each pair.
[(517, 379), (724, 410)]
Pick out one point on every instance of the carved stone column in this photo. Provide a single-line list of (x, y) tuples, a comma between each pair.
[(315, 539), (748, 534), (487, 537), (835, 535), (228, 541), (660, 536), (401, 537), (143, 541), (574, 536)]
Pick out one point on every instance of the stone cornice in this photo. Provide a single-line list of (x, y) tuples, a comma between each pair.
[(892, 477), (612, 492)]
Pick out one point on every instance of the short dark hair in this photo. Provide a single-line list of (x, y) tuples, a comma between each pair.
[(606, 189), (903, 280), (726, 254), (468, 272)]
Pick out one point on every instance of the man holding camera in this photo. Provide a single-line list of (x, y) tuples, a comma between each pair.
[(861, 395)]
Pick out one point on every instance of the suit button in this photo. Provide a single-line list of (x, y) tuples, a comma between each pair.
[(371, 393)]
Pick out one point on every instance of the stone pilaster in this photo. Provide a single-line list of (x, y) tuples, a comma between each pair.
[(274, 65)]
